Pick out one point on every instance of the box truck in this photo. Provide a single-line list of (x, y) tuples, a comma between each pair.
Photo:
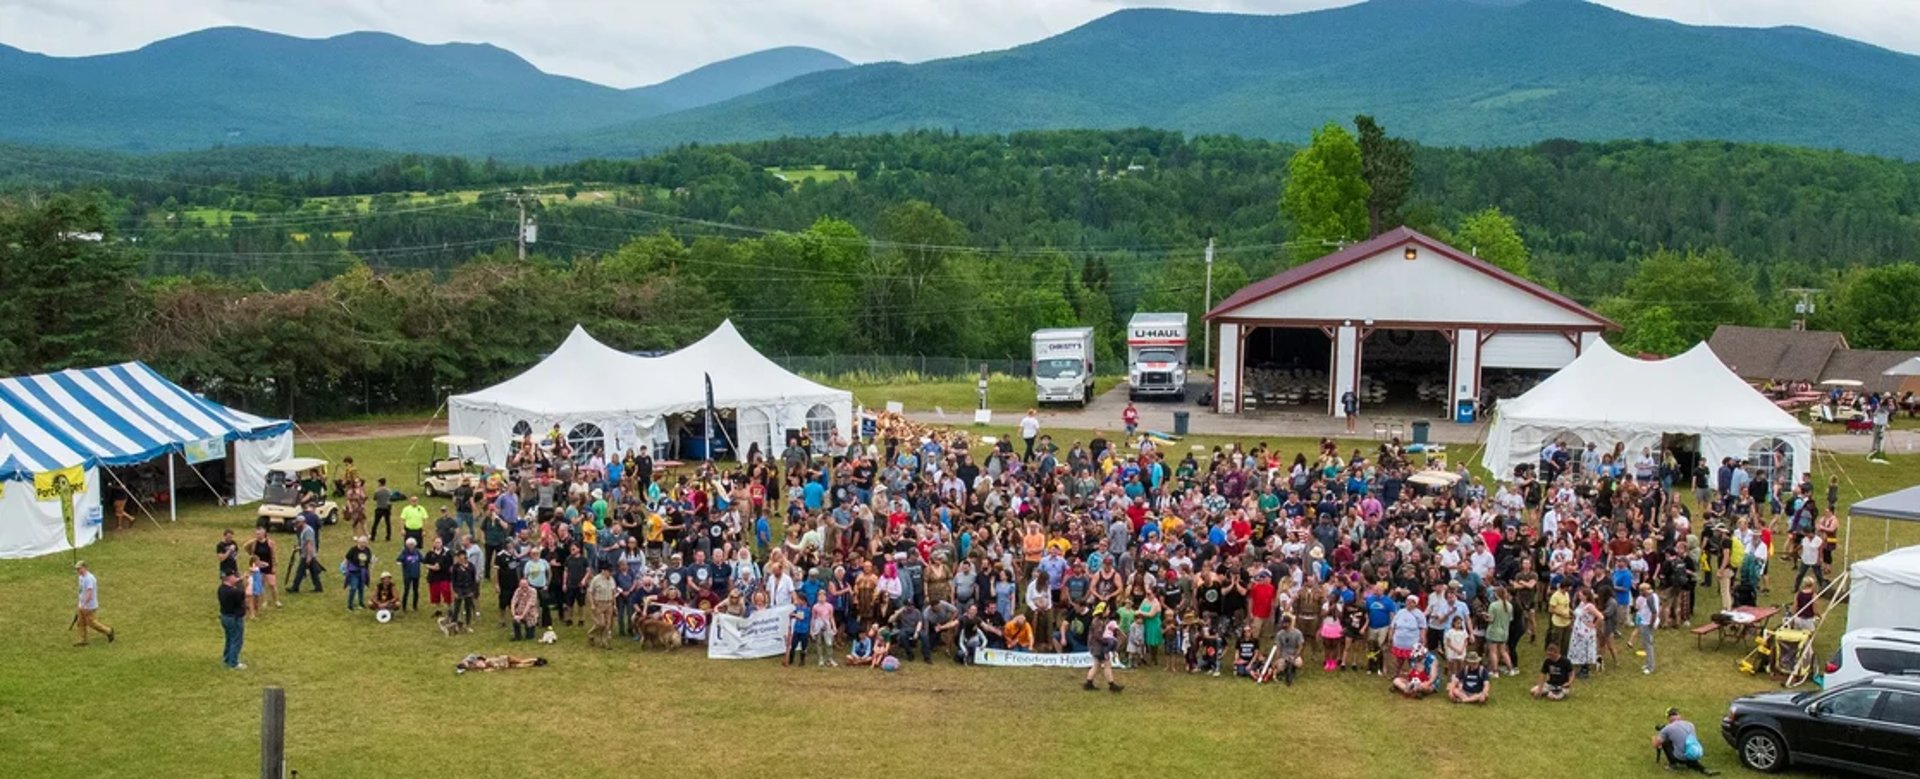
[(1157, 355), (1063, 365)]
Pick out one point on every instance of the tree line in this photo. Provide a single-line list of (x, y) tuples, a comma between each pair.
[(918, 243)]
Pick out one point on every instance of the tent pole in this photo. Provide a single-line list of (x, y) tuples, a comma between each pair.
[(173, 492), (130, 496)]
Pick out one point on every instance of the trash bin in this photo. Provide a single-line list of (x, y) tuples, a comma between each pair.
[(1463, 412), (1179, 423), (1420, 431)]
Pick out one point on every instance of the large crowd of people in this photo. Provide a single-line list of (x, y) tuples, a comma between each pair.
[(1241, 561)]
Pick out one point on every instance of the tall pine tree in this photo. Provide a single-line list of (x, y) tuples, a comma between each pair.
[(1386, 164)]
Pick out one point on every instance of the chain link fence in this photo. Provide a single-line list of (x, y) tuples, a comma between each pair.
[(883, 365)]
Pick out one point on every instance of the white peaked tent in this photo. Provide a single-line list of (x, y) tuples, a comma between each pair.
[(1604, 396), (599, 394), (1885, 591)]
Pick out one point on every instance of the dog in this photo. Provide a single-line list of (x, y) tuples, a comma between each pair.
[(450, 626), (658, 631), (549, 636)]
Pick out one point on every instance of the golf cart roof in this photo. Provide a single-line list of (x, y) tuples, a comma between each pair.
[(297, 464), (460, 440)]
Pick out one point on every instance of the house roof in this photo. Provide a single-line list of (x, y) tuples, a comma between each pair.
[(1763, 353), (1391, 239), (1867, 366)]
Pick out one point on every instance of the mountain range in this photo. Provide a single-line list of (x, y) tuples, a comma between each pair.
[(1450, 72), (238, 86)]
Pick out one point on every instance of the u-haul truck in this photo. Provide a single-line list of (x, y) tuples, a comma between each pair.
[(1157, 355)]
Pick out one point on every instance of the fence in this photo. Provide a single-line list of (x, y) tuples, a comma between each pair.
[(902, 364)]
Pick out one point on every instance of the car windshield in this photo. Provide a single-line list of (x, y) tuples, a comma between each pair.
[(1157, 355), (1057, 369)]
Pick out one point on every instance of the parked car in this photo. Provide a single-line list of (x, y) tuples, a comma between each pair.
[(1870, 726), (1870, 651)]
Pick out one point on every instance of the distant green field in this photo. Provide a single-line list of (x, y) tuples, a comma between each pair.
[(820, 173)]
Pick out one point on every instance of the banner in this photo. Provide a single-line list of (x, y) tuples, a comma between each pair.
[(206, 450), (1007, 658), (763, 634), (49, 486), (692, 622)]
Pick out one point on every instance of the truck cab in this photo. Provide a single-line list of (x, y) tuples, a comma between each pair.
[(1157, 355)]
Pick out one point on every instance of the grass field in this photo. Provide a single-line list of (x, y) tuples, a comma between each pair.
[(957, 396), (818, 173), (366, 700)]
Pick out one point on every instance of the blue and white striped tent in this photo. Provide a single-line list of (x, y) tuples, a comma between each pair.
[(115, 415)]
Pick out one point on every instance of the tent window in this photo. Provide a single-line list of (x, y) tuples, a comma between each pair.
[(755, 427), (522, 429), (584, 439), (820, 427), (1770, 459)]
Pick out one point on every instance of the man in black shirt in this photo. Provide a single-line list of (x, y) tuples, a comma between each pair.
[(506, 578), (1556, 676), (233, 618), (228, 551)]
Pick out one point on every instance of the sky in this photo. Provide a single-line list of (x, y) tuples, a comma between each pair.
[(627, 43)]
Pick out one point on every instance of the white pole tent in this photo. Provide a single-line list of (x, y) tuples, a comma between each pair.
[(1604, 397), (599, 395), (1898, 506), (1884, 592), (104, 417)]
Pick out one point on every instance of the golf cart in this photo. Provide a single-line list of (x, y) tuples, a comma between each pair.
[(443, 474), (287, 482)]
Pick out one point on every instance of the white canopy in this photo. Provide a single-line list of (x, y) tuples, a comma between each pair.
[(1604, 396), (599, 394), (1885, 591)]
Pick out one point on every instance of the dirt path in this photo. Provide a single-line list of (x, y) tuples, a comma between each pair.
[(324, 432)]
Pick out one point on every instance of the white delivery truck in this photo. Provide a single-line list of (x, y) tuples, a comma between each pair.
[(1063, 365), (1157, 355)]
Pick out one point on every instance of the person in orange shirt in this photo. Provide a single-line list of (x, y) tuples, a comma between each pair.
[(1032, 546), (1019, 634)]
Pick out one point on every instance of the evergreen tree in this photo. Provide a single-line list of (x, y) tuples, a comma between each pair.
[(1386, 163)]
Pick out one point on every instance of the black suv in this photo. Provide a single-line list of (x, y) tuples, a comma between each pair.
[(1871, 726)]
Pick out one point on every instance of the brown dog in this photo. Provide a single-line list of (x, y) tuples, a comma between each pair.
[(657, 631)]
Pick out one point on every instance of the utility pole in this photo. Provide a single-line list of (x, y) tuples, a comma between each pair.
[(526, 232), (1802, 308), (1206, 337)]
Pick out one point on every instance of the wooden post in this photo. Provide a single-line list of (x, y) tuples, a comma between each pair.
[(273, 732)]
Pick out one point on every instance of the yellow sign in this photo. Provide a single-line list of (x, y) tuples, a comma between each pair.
[(53, 485)]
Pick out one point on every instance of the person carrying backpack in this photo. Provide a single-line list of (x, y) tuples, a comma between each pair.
[(1679, 742)]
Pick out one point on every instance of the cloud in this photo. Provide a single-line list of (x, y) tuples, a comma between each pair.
[(633, 42)]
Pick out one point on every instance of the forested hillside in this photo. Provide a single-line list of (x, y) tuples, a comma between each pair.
[(922, 243)]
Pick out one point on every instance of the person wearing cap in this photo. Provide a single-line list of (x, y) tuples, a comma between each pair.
[(87, 605), (1469, 684), (354, 570), (1409, 627), (385, 596), (1679, 742), (233, 618)]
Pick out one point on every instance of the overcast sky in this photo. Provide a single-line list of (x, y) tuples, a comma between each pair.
[(632, 42)]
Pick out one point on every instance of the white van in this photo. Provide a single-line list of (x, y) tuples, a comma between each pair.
[(1873, 651)]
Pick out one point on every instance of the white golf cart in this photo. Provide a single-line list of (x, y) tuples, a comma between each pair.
[(289, 480), (443, 474)]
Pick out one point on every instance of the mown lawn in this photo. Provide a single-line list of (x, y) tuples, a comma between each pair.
[(955, 396), (366, 700)]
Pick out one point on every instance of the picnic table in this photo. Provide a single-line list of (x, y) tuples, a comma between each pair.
[(1753, 619)]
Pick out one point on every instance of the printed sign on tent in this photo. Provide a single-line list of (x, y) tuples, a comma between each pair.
[(47, 487), (763, 634), (205, 450)]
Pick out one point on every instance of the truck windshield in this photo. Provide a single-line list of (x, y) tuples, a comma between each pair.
[(1158, 355), (1057, 369)]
